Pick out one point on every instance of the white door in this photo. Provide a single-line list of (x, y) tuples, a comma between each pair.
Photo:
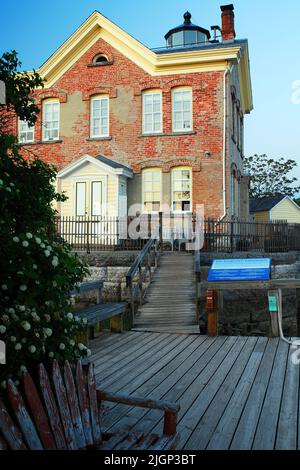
[(88, 199)]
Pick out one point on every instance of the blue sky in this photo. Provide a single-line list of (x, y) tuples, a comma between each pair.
[(35, 29)]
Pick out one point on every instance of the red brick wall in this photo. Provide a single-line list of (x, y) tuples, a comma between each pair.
[(124, 78)]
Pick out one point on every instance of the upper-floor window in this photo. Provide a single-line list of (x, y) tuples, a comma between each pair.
[(51, 111), (152, 112), (182, 190), (26, 132), (100, 116), (182, 109), (152, 190)]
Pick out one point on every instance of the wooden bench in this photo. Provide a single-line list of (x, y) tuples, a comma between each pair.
[(64, 412), (100, 312)]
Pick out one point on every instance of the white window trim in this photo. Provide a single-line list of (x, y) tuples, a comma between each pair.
[(99, 98), (145, 211), (172, 190), (19, 132), (147, 93), (174, 91), (46, 102)]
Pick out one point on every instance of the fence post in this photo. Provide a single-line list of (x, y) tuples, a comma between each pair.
[(231, 234), (87, 236), (161, 232)]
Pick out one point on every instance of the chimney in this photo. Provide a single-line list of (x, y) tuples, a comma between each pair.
[(228, 32)]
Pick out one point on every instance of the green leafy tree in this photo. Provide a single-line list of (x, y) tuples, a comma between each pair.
[(38, 268), (271, 177)]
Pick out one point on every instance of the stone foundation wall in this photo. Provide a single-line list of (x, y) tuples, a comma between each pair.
[(112, 269)]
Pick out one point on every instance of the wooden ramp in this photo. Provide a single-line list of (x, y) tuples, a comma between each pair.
[(235, 393), (170, 301)]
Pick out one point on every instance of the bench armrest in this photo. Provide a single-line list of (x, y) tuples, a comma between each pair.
[(170, 409)]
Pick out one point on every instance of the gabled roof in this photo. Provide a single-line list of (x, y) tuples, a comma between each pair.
[(98, 27), (103, 163), (265, 204), (112, 163)]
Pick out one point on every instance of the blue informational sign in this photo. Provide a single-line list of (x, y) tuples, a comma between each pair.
[(256, 269)]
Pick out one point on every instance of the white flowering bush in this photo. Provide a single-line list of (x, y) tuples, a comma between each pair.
[(36, 319), (38, 268)]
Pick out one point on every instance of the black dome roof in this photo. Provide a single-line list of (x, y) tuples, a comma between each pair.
[(187, 26)]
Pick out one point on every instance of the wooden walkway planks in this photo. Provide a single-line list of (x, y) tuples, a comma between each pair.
[(235, 393), (170, 300)]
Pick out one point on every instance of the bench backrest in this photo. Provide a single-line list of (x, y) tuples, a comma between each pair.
[(58, 414), (87, 287)]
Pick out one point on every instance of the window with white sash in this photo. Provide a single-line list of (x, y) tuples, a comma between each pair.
[(152, 190), (182, 190), (26, 132), (182, 110), (51, 112), (99, 116), (152, 112)]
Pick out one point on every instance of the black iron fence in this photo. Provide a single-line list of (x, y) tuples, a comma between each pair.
[(116, 234), (231, 236)]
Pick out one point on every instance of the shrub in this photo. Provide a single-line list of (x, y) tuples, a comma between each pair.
[(38, 268)]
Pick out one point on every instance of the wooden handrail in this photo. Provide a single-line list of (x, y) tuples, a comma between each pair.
[(139, 260), (137, 267)]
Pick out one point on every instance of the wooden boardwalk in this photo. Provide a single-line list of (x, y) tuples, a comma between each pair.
[(234, 392), (170, 301)]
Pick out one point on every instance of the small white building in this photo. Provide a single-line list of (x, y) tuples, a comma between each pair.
[(281, 208)]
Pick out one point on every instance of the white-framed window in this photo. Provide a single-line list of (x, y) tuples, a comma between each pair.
[(182, 190), (26, 132), (152, 190), (100, 116), (152, 112), (51, 117), (182, 110)]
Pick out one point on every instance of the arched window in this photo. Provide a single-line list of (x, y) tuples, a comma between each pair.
[(51, 117), (100, 59), (182, 109), (152, 111), (100, 116)]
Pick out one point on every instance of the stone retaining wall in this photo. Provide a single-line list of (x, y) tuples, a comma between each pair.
[(112, 269)]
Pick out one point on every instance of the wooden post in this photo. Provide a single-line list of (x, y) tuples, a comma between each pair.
[(274, 307), (155, 256), (141, 284), (116, 324), (130, 299), (170, 423), (212, 312), (161, 232), (198, 295), (149, 266)]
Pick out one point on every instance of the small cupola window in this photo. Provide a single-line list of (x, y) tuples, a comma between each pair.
[(187, 34)]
